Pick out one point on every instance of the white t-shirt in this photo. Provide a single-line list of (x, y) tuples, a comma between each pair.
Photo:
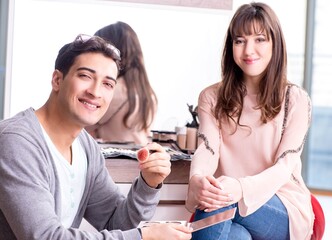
[(72, 179)]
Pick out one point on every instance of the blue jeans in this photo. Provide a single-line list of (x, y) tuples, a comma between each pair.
[(269, 222)]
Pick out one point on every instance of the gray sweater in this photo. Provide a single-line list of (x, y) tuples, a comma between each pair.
[(30, 194)]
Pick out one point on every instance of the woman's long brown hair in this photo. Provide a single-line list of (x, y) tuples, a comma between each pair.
[(256, 17), (134, 73)]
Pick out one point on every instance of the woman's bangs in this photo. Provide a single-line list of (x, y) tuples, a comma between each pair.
[(249, 25)]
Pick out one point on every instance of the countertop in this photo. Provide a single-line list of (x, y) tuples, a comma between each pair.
[(124, 170)]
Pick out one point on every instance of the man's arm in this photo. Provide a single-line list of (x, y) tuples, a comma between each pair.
[(30, 196)]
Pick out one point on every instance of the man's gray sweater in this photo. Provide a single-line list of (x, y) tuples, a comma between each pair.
[(30, 196)]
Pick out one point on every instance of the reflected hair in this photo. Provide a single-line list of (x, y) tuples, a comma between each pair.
[(133, 72), (253, 18)]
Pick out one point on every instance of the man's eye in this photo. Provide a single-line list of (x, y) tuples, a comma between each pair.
[(84, 76), (110, 84)]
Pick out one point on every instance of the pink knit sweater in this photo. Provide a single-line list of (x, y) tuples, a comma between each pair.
[(265, 158)]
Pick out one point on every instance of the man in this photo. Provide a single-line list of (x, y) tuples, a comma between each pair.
[(52, 173)]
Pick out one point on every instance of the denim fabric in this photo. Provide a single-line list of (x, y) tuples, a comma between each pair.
[(269, 222)]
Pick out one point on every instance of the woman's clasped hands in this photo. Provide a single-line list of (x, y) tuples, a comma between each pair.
[(210, 193)]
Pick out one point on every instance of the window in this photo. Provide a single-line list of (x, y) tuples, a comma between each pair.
[(320, 138)]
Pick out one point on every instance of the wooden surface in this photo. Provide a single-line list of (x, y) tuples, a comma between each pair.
[(126, 170)]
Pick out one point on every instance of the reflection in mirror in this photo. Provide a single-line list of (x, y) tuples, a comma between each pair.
[(181, 47)]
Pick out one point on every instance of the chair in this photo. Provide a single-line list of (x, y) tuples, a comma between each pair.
[(319, 222)]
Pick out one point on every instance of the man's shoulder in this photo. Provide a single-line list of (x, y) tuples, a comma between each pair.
[(22, 121)]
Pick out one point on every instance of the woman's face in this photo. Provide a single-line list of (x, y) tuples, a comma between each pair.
[(252, 53)]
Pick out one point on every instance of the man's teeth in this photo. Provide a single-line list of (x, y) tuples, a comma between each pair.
[(90, 105)]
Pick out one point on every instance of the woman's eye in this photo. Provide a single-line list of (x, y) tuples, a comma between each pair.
[(260, 40), (238, 41)]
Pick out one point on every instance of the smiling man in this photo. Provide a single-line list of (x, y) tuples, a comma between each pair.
[(52, 173)]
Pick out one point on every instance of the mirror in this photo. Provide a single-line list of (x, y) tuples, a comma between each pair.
[(181, 46)]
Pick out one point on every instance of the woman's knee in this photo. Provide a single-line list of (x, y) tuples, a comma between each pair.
[(238, 232)]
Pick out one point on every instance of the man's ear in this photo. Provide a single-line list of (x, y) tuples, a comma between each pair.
[(57, 76)]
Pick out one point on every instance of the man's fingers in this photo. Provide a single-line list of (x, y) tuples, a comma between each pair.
[(142, 154)]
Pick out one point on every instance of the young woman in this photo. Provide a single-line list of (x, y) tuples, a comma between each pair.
[(253, 125), (134, 103)]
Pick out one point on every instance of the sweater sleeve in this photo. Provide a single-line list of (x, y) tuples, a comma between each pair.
[(206, 157), (260, 188), (29, 196), (108, 208)]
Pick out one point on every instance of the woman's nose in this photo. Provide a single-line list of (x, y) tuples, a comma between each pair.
[(249, 47)]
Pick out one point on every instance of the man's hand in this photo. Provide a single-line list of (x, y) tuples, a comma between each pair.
[(166, 231), (155, 167)]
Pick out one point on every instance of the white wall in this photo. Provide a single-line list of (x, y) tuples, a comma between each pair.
[(182, 47)]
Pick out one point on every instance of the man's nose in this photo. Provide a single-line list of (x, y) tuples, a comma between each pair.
[(95, 89)]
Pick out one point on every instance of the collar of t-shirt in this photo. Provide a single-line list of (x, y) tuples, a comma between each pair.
[(72, 178)]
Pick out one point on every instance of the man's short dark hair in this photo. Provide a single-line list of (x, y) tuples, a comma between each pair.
[(85, 44)]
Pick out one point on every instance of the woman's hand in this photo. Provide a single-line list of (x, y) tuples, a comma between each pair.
[(206, 193), (155, 167), (166, 231), (233, 187)]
